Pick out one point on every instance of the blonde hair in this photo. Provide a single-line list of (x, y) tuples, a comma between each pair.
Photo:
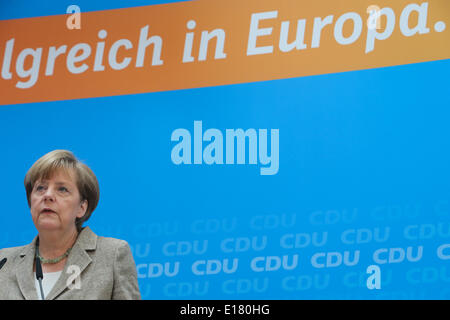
[(86, 181)]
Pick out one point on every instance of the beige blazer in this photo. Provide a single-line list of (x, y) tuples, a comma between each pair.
[(105, 266)]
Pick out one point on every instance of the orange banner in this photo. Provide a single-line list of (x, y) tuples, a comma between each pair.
[(209, 43)]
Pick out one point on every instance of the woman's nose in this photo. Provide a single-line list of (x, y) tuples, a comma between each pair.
[(49, 194)]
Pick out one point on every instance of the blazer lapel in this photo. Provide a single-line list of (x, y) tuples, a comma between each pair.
[(24, 272), (78, 257)]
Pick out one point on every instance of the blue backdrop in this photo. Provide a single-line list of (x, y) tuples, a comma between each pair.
[(364, 179)]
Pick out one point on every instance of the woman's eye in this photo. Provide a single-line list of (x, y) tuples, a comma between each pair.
[(39, 188), (63, 189)]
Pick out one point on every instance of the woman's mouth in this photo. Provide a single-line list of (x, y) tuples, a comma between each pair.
[(47, 210)]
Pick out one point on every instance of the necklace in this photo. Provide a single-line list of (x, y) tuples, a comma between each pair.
[(50, 261), (55, 260)]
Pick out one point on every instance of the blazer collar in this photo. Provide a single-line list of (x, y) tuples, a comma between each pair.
[(78, 258), (87, 239), (24, 271)]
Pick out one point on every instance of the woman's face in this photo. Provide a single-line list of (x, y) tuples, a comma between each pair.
[(56, 203)]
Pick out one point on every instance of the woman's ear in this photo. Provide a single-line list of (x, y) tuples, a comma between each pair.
[(83, 208)]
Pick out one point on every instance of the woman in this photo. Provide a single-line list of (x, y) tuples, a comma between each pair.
[(62, 193)]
